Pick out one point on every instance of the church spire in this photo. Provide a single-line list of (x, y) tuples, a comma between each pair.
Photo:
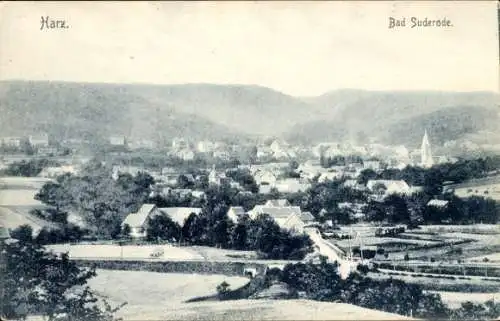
[(425, 152)]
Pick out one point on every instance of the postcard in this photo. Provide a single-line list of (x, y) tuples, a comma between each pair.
[(260, 160)]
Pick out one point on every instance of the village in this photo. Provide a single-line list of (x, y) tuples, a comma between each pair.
[(347, 233), (249, 161)]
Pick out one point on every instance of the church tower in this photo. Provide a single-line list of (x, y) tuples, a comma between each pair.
[(425, 152)]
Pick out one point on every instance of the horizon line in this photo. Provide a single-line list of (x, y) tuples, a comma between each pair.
[(497, 92)]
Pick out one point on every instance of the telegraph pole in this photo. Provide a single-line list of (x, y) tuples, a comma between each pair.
[(361, 246)]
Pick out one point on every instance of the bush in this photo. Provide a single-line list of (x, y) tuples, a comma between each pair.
[(69, 233), (223, 288), (363, 268)]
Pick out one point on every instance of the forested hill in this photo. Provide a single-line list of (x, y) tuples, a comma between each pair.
[(212, 111)]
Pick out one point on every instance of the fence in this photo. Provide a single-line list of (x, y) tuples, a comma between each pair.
[(200, 267)]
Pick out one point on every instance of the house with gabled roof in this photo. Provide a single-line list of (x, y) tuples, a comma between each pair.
[(235, 212), (265, 177), (389, 186), (287, 217), (138, 221), (307, 217), (441, 204)]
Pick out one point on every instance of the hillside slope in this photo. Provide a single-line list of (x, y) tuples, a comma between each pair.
[(201, 111)]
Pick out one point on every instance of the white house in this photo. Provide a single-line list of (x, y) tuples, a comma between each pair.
[(216, 178), (41, 140), (56, 171), (264, 152), (264, 177), (438, 203), (287, 217), (11, 141), (352, 183), (184, 154), (390, 186), (179, 143), (235, 212), (205, 146), (372, 164), (117, 140), (138, 221), (132, 170), (291, 185), (307, 217), (329, 176)]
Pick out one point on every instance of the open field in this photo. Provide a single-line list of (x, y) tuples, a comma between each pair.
[(12, 218), (440, 242), (160, 296), (150, 292), (492, 258), (443, 283), (455, 299), (475, 229), (19, 197), (171, 253), (274, 310), (14, 182)]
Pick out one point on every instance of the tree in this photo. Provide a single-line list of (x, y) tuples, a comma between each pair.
[(192, 229), (125, 233), (23, 233), (366, 175), (239, 235), (39, 282), (184, 182), (245, 178), (223, 288), (162, 227)]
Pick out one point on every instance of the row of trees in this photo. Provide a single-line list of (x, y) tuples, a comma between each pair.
[(66, 233), (30, 168), (322, 282)]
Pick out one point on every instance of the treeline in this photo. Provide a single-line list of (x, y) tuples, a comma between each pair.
[(159, 161), (65, 233), (413, 210), (321, 282), (432, 179), (339, 160), (101, 201), (30, 168)]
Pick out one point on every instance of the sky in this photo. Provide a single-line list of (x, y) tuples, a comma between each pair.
[(299, 48)]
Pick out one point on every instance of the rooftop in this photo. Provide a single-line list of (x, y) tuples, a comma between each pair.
[(180, 214), (139, 218)]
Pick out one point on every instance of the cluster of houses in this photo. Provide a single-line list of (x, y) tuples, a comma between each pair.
[(40, 143), (288, 217)]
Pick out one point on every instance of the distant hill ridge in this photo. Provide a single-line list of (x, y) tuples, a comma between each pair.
[(210, 111)]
